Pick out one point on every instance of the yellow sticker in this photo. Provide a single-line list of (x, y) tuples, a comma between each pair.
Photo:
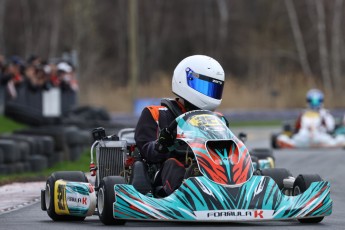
[(60, 202), (206, 120)]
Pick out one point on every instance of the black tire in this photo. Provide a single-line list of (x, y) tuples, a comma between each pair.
[(106, 198), (73, 137), (56, 157), (27, 167), (38, 163), (255, 161), (24, 149), (11, 151), (19, 167), (48, 145), (23, 138), (76, 176), (300, 185), (11, 168), (277, 174), (75, 152), (1, 156), (56, 132), (3, 169), (274, 144), (262, 153)]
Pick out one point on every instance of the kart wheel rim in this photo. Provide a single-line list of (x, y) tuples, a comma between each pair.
[(297, 191), (271, 162), (100, 200), (47, 196)]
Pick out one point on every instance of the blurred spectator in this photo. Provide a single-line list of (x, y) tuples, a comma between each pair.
[(66, 75), (51, 70), (27, 85), (36, 74), (34, 60), (12, 75), (2, 64)]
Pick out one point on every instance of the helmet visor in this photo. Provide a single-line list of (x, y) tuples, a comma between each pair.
[(315, 103), (206, 85)]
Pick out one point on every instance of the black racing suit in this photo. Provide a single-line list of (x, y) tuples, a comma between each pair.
[(151, 121)]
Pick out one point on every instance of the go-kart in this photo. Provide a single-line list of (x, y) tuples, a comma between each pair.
[(226, 189), (311, 134)]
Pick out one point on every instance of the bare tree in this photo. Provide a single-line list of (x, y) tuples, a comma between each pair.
[(55, 27), (133, 46), (223, 27), (323, 50), (2, 18), (336, 45), (28, 30), (298, 37)]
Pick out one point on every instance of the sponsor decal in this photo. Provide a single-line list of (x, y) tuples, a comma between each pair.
[(207, 121), (60, 198), (236, 214), (61, 194), (217, 82), (79, 200)]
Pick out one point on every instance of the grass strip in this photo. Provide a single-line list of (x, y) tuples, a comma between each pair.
[(8, 125)]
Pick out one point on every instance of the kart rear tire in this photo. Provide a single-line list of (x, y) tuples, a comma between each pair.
[(300, 185), (76, 176), (274, 144), (277, 174), (106, 198)]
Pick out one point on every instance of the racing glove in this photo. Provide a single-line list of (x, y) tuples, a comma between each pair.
[(164, 141)]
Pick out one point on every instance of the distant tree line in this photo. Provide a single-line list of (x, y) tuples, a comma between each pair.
[(258, 40)]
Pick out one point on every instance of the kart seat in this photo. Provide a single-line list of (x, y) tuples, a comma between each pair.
[(139, 178), (192, 171)]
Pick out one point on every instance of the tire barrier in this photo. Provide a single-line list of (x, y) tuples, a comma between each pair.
[(35, 149)]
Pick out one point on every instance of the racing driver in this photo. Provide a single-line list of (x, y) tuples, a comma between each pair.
[(198, 83)]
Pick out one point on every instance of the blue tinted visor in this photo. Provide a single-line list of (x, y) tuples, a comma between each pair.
[(315, 102), (206, 85)]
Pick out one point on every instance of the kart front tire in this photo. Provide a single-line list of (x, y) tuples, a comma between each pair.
[(255, 161), (301, 184), (76, 176), (274, 143), (106, 198), (277, 174)]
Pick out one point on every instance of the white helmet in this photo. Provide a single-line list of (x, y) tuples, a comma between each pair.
[(199, 79)]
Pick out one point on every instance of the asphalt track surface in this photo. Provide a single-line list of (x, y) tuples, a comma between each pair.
[(329, 163)]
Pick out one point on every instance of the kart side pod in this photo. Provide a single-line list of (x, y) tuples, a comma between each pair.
[(70, 198)]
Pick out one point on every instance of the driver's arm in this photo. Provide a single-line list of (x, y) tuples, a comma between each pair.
[(146, 134), (327, 120)]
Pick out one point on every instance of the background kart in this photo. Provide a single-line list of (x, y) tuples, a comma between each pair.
[(309, 137), (227, 188)]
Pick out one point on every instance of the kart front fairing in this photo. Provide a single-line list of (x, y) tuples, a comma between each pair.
[(227, 191), (220, 155), (199, 199)]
